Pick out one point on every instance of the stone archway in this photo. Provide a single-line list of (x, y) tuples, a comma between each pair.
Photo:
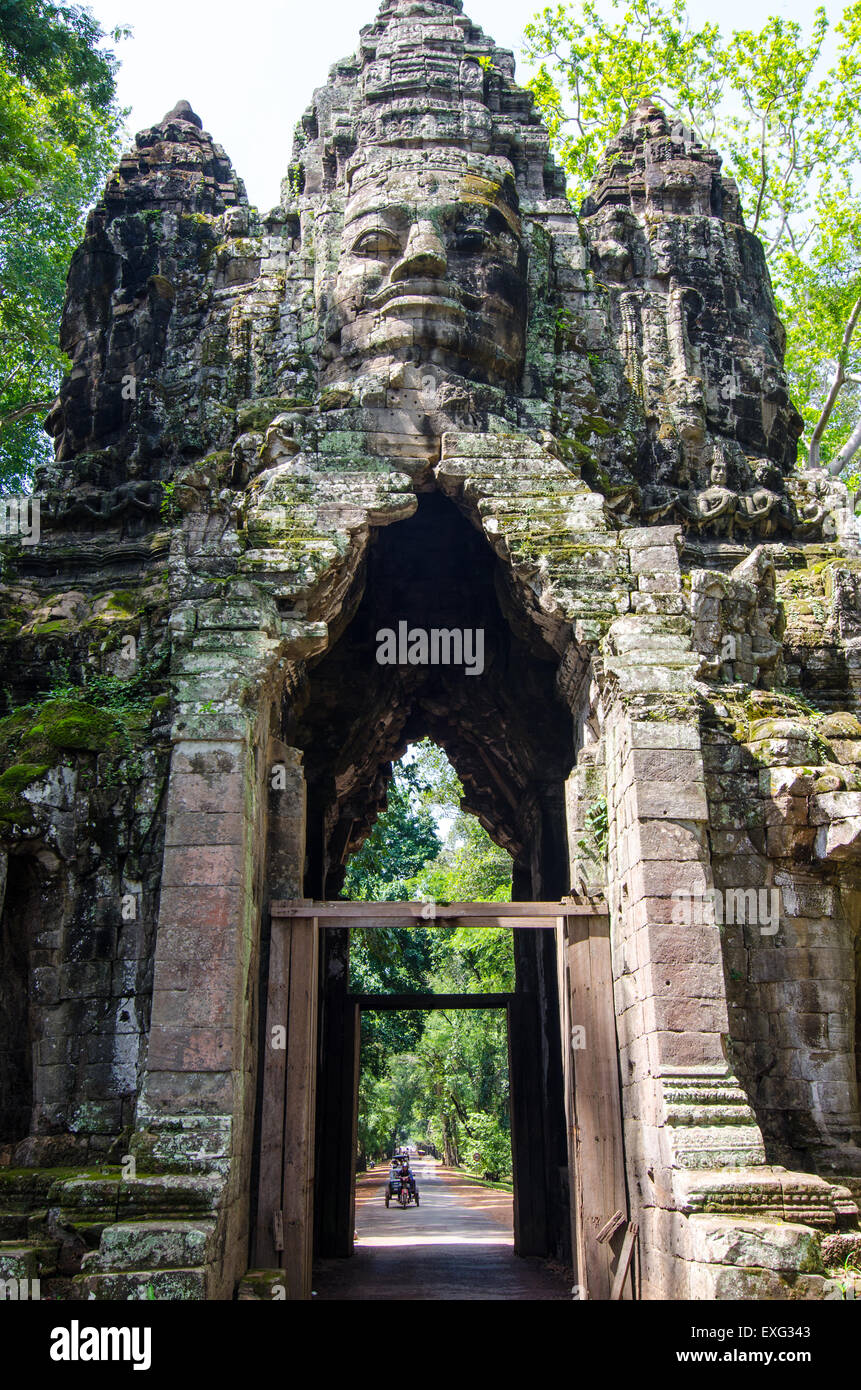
[(509, 731)]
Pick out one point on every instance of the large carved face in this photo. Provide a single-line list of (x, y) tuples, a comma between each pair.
[(432, 269)]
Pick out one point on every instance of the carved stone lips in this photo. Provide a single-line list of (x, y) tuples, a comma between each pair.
[(416, 296), (434, 297)]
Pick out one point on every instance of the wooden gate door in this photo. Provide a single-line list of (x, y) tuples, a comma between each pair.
[(290, 1112), (285, 1196), (602, 1236)]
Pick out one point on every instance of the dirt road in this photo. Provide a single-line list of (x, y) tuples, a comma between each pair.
[(458, 1244)]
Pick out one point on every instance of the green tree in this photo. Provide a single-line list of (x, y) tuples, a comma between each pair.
[(789, 128), (462, 1102), (402, 841), (59, 135), (821, 301), (468, 868)]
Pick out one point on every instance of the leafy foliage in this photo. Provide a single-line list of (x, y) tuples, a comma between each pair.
[(790, 131), (400, 844), (114, 694), (59, 130), (468, 868)]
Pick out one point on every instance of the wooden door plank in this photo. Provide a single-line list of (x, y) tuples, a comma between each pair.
[(371, 922), (625, 1256), (298, 1191), (267, 1255), (599, 1177)]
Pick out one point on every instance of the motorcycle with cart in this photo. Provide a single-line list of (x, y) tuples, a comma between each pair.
[(401, 1186)]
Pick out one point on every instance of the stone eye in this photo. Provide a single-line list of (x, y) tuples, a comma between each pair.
[(376, 245)]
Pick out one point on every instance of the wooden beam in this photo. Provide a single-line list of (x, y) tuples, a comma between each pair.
[(527, 1151), (618, 1219), (338, 1092), (380, 1003), (426, 914), (371, 922), (268, 1251), (625, 1258)]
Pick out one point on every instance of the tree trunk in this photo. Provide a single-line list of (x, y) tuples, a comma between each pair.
[(837, 383), (847, 453)]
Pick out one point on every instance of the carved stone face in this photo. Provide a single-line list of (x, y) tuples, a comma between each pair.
[(432, 269)]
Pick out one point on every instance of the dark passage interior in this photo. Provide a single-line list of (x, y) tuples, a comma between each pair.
[(509, 734), (16, 1045)]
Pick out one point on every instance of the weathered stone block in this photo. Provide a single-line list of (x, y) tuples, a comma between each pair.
[(773, 1245), (180, 1285), (150, 1245), (662, 800)]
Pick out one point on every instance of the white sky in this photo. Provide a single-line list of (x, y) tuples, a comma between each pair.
[(249, 67)]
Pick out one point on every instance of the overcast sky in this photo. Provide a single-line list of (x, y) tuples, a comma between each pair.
[(249, 68)]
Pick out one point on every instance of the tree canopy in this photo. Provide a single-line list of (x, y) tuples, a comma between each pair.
[(59, 135), (788, 123)]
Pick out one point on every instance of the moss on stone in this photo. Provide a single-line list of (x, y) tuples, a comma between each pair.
[(258, 415), (14, 810), (21, 775), (74, 725), (124, 601)]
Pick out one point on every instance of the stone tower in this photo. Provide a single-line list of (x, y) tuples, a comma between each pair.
[(423, 389)]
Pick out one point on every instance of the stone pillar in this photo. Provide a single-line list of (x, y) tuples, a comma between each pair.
[(683, 1108), (197, 1104)]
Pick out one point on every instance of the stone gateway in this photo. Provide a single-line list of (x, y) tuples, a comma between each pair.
[(424, 391)]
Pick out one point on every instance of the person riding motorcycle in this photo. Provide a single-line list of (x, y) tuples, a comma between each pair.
[(405, 1173)]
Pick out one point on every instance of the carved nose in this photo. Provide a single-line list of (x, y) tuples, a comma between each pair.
[(425, 255)]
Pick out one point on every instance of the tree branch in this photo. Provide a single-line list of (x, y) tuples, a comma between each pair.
[(15, 416), (837, 383), (763, 179), (847, 453)]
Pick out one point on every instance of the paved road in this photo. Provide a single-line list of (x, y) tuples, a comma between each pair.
[(458, 1244)]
